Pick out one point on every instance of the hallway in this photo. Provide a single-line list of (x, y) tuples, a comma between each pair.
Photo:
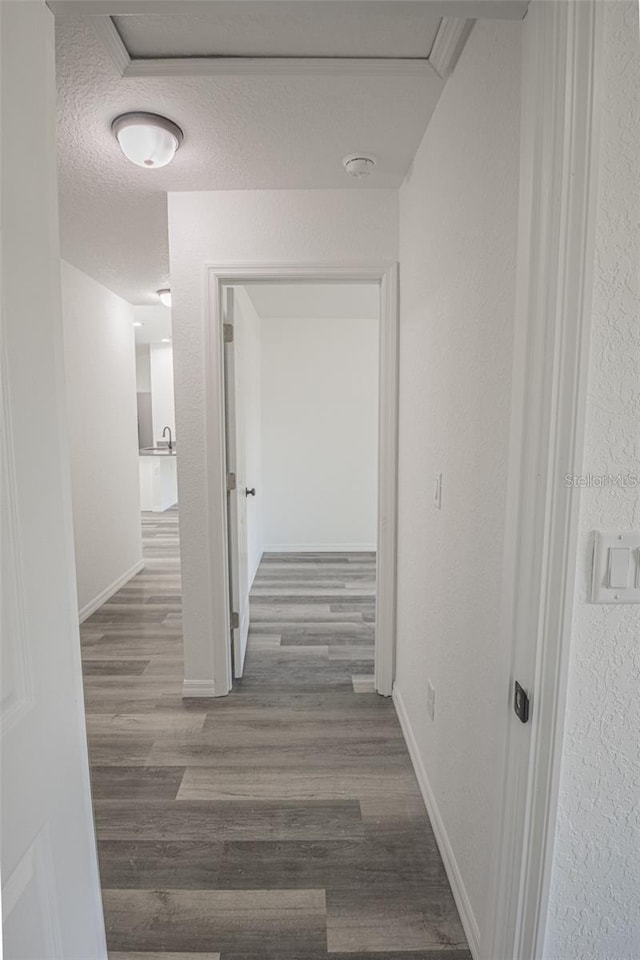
[(283, 821)]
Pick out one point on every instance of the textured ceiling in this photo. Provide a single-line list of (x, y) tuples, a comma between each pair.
[(321, 301), (286, 29), (241, 132)]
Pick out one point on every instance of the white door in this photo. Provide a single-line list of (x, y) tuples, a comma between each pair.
[(50, 887), (236, 491)]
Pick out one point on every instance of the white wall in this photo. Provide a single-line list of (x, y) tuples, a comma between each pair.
[(319, 433), (50, 885), (270, 226), (248, 355), (99, 358), (162, 398), (143, 368), (458, 237), (594, 908)]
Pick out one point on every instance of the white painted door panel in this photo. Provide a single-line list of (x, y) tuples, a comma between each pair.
[(50, 887)]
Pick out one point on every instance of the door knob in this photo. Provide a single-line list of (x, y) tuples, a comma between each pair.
[(249, 492)]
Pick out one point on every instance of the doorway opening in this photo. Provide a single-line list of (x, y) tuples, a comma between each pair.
[(301, 444), (324, 484), (157, 439)]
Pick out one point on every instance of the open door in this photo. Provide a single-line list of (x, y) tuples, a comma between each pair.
[(236, 493)]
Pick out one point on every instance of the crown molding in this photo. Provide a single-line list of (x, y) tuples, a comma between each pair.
[(447, 46), (474, 9), (449, 42), (276, 66), (105, 30)]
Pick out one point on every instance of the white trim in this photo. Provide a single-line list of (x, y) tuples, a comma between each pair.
[(128, 66), (555, 258), (320, 548), (481, 9), (216, 277), (198, 688), (387, 541), (105, 30), (109, 591), (278, 66), (454, 875), (448, 44)]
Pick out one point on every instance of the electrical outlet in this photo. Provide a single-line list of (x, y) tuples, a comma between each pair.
[(431, 700)]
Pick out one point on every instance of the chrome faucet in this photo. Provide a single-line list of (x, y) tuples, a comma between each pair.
[(163, 435)]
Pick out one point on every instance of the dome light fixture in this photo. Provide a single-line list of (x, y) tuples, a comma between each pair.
[(165, 297), (359, 164), (147, 139), (138, 323)]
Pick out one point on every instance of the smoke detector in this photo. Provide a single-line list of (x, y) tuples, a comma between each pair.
[(359, 164)]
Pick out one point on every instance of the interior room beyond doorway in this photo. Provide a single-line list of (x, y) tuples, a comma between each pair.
[(302, 437)]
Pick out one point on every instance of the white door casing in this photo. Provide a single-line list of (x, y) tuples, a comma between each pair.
[(559, 150), (235, 458), (218, 279)]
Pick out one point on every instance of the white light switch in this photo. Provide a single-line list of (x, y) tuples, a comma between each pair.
[(619, 564), (616, 568)]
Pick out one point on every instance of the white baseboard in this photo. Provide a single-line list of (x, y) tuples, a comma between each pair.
[(458, 889), (321, 548), (109, 591), (198, 688)]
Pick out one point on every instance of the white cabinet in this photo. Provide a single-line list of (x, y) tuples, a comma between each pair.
[(158, 481)]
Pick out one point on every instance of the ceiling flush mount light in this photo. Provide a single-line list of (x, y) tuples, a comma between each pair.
[(165, 297), (138, 323), (147, 139), (166, 339), (359, 164)]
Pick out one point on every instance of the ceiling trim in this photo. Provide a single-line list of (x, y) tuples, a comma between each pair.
[(446, 48), (465, 9), (275, 66), (449, 42), (105, 28), (128, 66)]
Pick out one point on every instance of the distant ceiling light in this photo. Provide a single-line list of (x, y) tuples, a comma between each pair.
[(147, 139), (359, 164), (166, 339), (138, 323), (165, 297)]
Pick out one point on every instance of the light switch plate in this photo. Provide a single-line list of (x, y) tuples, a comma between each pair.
[(601, 591)]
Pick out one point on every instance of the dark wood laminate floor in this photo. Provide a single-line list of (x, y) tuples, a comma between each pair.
[(282, 821)]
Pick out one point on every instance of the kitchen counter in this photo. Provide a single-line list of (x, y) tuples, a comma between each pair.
[(156, 452)]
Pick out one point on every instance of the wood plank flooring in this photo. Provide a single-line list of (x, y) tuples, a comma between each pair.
[(282, 822)]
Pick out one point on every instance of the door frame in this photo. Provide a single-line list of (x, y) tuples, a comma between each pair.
[(217, 277), (556, 246)]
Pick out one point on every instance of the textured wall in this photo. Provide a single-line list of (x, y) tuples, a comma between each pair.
[(259, 226), (595, 892), (458, 232), (100, 374)]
